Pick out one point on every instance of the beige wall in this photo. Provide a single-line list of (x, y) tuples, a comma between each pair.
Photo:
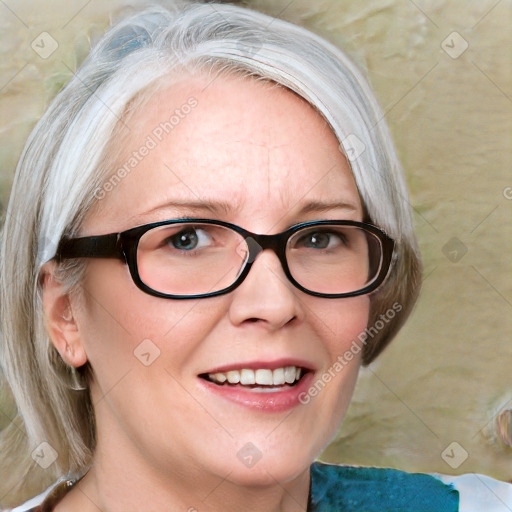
[(448, 374)]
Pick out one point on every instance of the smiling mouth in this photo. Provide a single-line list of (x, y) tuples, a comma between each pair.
[(262, 379)]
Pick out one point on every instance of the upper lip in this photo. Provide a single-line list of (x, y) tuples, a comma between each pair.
[(255, 365)]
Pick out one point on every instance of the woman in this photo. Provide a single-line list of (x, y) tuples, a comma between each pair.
[(208, 233)]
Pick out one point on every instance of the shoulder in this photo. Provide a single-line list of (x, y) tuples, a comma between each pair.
[(480, 492), (47, 499), (34, 504), (376, 489)]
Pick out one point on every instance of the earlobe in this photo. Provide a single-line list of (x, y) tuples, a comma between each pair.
[(60, 318)]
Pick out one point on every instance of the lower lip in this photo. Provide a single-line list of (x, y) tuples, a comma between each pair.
[(275, 401)]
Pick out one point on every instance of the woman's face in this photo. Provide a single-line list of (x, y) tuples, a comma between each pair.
[(257, 156)]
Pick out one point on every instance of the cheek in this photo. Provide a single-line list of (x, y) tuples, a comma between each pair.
[(123, 327), (342, 322)]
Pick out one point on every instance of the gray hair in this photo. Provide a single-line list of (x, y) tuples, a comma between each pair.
[(63, 164)]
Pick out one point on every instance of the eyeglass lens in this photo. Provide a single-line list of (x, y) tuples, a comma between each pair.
[(194, 258)]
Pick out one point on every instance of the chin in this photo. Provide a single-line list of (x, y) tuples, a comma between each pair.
[(260, 463), (267, 473)]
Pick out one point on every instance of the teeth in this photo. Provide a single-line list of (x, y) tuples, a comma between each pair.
[(263, 376), (247, 377), (233, 377), (289, 374), (220, 377), (278, 377)]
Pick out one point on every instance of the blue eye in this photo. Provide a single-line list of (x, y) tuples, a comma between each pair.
[(321, 240), (317, 241), (189, 239), (185, 240)]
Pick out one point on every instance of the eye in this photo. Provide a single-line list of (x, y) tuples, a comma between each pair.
[(189, 239), (320, 240)]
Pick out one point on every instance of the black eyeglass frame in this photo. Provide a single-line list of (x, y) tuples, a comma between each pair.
[(124, 246)]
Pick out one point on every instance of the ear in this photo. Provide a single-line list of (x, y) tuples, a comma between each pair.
[(60, 317)]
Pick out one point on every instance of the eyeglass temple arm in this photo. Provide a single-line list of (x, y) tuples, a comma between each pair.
[(104, 246)]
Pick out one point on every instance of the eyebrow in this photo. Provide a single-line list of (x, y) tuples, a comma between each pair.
[(217, 207), (205, 205), (324, 206)]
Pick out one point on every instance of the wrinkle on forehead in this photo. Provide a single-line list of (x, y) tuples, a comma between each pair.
[(262, 150)]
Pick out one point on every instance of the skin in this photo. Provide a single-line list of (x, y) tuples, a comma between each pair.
[(164, 443)]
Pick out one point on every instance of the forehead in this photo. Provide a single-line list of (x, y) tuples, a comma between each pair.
[(255, 148)]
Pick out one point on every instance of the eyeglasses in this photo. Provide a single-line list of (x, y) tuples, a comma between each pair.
[(195, 258)]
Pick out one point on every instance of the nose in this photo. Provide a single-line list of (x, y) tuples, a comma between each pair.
[(265, 296)]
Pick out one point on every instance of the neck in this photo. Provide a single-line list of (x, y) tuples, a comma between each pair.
[(121, 490), (121, 479)]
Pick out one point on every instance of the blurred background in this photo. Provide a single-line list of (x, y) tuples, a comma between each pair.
[(442, 71)]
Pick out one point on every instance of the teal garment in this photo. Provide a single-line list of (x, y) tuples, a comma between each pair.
[(351, 489)]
